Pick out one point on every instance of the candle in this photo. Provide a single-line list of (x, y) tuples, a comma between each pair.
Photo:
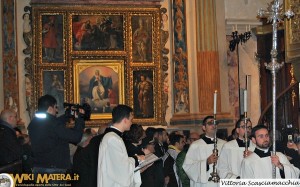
[(215, 102), (245, 100)]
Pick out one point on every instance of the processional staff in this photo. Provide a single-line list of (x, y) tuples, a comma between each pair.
[(274, 15)]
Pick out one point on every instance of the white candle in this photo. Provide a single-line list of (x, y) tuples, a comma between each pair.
[(215, 102), (245, 100)]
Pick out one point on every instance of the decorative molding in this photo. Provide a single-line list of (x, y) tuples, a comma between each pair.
[(165, 62), (96, 2), (240, 25), (180, 60), (27, 37)]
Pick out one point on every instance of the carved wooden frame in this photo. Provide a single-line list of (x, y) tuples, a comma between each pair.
[(158, 63)]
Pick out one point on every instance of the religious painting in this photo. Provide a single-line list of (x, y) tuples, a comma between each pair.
[(52, 39), (100, 83), (53, 84), (141, 38), (97, 52), (97, 32), (143, 94)]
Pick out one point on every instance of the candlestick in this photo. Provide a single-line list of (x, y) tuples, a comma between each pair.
[(245, 100), (215, 102)]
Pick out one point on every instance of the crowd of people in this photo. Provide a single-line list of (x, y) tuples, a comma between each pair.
[(111, 156)]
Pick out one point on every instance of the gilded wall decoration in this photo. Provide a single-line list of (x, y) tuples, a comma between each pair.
[(292, 32), (83, 54)]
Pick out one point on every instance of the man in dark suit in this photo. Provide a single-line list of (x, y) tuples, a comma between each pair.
[(85, 163), (160, 150), (10, 148)]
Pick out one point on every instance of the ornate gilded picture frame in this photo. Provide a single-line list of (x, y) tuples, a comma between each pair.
[(97, 32), (292, 33), (100, 83), (143, 93), (116, 45)]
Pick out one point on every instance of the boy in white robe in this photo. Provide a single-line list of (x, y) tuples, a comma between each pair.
[(258, 165), (233, 152), (115, 168), (199, 160)]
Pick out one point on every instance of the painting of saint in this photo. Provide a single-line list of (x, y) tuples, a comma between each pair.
[(52, 39), (143, 94), (99, 87), (141, 38), (53, 84)]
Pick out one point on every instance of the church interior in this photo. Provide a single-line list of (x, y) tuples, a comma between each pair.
[(173, 61)]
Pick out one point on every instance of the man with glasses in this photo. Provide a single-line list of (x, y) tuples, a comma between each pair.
[(233, 152), (50, 138), (199, 160), (259, 164)]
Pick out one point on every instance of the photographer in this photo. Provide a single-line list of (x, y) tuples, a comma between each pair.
[(50, 138)]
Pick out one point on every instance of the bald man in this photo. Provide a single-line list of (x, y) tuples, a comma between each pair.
[(10, 148)]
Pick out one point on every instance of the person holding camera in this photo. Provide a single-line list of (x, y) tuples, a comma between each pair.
[(50, 138)]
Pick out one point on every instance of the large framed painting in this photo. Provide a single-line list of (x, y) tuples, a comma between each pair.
[(91, 53), (52, 40), (53, 83), (97, 33), (100, 83)]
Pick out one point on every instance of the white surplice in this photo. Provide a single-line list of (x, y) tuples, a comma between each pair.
[(195, 163), (230, 160), (255, 167), (115, 168)]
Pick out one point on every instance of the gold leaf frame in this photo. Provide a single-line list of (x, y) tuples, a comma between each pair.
[(102, 57), (112, 68), (292, 33)]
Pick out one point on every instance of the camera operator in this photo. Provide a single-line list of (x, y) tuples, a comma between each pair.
[(50, 138)]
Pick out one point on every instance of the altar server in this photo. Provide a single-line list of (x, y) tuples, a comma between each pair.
[(258, 165), (115, 168), (199, 160), (233, 152)]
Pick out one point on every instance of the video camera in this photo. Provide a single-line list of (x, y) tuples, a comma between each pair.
[(71, 109)]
